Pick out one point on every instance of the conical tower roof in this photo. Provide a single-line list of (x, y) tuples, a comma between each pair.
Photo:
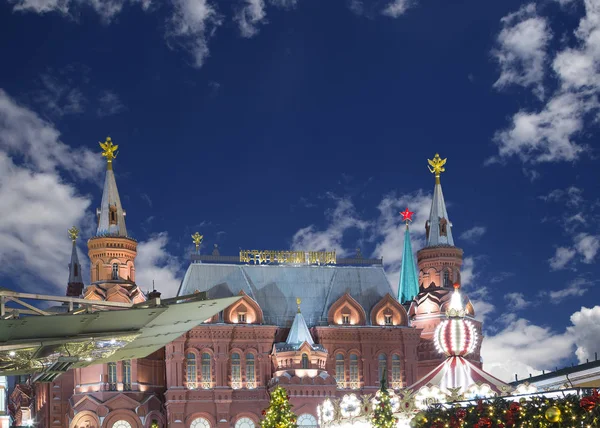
[(438, 226), (408, 286), (299, 332), (75, 283), (111, 216)]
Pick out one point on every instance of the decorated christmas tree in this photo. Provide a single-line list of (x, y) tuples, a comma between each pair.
[(279, 413), (382, 409)]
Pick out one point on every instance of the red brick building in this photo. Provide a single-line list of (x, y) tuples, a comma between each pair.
[(317, 325)]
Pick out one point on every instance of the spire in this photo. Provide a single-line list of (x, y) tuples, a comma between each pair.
[(408, 287), (299, 332), (111, 216), (75, 284), (438, 228)]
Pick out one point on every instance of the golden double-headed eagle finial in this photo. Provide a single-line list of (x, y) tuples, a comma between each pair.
[(73, 233), (109, 150), (437, 166), (197, 238), (298, 301)]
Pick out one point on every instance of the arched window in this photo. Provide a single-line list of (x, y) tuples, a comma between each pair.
[(127, 375), (396, 380), (200, 423), (121, 424), (244, 423), (446, 282), (354, 383), (191, 371), (381, 365), (304, 361), (458, 276), (236, 376), (340, 375), (98, 272), (307, 420), (112, 376), (115, 271), (250, 372), (206, 374)]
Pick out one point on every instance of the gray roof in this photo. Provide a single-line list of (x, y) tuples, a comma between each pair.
[(75, 276), (110, 198), (276, 288), (299, 332), (438, 212)]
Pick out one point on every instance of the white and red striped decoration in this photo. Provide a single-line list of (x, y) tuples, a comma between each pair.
[(455, 337)]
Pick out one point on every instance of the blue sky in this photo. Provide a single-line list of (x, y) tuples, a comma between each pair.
[(274, 124)]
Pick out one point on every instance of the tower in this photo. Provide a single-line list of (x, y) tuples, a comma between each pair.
[(112, 251), (75, 284), (439, 264), (408, 287)]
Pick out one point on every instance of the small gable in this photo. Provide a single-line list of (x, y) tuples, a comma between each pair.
[(244, 311), (346, 311), (388, 311)]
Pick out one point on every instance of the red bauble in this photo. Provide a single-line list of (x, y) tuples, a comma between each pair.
[(461, 413), (264, 412), (500, 425), (484, 422), (514, 407), (587, 403)]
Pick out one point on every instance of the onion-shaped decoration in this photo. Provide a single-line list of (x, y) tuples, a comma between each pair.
[(455, 337)]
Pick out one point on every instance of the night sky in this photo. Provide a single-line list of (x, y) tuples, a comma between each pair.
[(307, 124)]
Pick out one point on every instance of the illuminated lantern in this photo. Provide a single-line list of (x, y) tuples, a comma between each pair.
[(455, 336)]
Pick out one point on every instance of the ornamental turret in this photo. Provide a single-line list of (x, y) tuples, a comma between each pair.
[(439, 263), (75, 283), (300, 357), (438, 229), (408, 287), (112, 251)]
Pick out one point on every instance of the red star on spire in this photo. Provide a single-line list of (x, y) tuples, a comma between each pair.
[(406, 215)]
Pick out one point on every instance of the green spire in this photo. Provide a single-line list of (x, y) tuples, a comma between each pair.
[(408, 287)]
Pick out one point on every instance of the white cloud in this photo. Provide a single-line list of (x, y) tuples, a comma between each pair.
[(474, 234), (37, 209), (249, 16), (585, 332), (58, 98), (155, 263), (516, 301), (107, 9), (571, 196), (587, 246), (397, 8), (584, 244), (191, 25), (577, 287), (546, 136), (561, 258), (521, 50), (550, 134), (467, 271), (341, 219), (482, 309), (25, 134), (109, 104), (524, 348)]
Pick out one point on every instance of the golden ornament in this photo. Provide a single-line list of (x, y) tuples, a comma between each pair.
[(552, 414)]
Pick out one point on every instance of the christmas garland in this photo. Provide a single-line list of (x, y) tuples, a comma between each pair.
[(570, 411)]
